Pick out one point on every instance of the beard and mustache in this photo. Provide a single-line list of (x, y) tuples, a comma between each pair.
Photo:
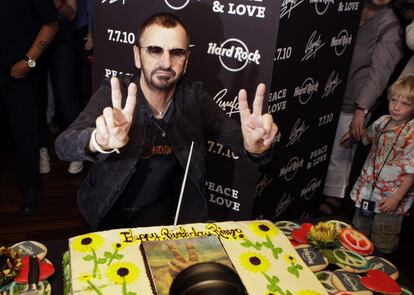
[(161, 79)]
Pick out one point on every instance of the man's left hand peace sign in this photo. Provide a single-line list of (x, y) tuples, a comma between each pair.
[(258, 129)]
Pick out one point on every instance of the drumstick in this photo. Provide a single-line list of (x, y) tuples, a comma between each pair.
[(183, 185)]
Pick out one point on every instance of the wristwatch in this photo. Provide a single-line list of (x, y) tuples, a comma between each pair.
[(362, 109), (31, 63)]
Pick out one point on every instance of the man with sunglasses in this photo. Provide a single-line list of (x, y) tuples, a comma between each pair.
[(138, 133)]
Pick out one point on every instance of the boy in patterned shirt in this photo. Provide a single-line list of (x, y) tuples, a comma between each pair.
[(381, 193)]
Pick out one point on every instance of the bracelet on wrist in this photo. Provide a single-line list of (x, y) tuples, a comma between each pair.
[(363, 109), (98, 147)]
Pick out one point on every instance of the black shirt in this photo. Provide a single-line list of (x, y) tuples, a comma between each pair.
[(20, 21), (158, 174)]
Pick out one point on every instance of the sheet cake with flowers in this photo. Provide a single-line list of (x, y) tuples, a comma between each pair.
[(112, 262)]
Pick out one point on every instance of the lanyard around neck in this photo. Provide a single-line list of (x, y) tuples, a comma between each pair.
[(374, 158)]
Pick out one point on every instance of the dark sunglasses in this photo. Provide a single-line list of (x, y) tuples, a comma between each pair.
[(177, 54)]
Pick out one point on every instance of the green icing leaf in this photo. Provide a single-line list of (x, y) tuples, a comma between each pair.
[(268, 243), (276, 252), (247, 243), (108, 254), (271, 288), (101, 260), (118, 256), (88, 258), (291, 269), (93, 287), (275, 279)]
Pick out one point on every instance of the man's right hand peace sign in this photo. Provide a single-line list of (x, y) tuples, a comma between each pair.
[(112, 127)]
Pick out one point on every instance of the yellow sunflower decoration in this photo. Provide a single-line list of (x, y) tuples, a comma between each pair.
[(263, 229), (118, 246), (122, 272), (294, 268), (254, 262), (88, 279), (307, 292), (323, 235), (290, 259), (85, 277), (87, 243)]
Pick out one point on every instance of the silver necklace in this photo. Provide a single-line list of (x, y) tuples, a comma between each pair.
[(161, 114), (163, 133)]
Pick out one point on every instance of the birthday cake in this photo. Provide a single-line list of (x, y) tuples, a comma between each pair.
[(115, 261)]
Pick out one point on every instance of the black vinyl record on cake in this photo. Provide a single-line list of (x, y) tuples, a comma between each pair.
[(207, 278)]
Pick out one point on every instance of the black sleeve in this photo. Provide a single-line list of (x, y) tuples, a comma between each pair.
[(71, 144)]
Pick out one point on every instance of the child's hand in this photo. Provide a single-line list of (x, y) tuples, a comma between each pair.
[(389, 205)]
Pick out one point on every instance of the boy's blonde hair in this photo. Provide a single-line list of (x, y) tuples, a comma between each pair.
[(403, 87)]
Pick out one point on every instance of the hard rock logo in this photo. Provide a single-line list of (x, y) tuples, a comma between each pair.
[(176, 4), (291, 169), (321, 6), (309, 191), (306, 90), (341, 42), (234, 55)]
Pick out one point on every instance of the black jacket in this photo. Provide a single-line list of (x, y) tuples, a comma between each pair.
[(196, 118)]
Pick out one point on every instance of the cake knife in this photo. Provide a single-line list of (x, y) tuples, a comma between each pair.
[(33, 277)]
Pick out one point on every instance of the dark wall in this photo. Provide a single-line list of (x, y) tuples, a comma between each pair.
[(314, 49)]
